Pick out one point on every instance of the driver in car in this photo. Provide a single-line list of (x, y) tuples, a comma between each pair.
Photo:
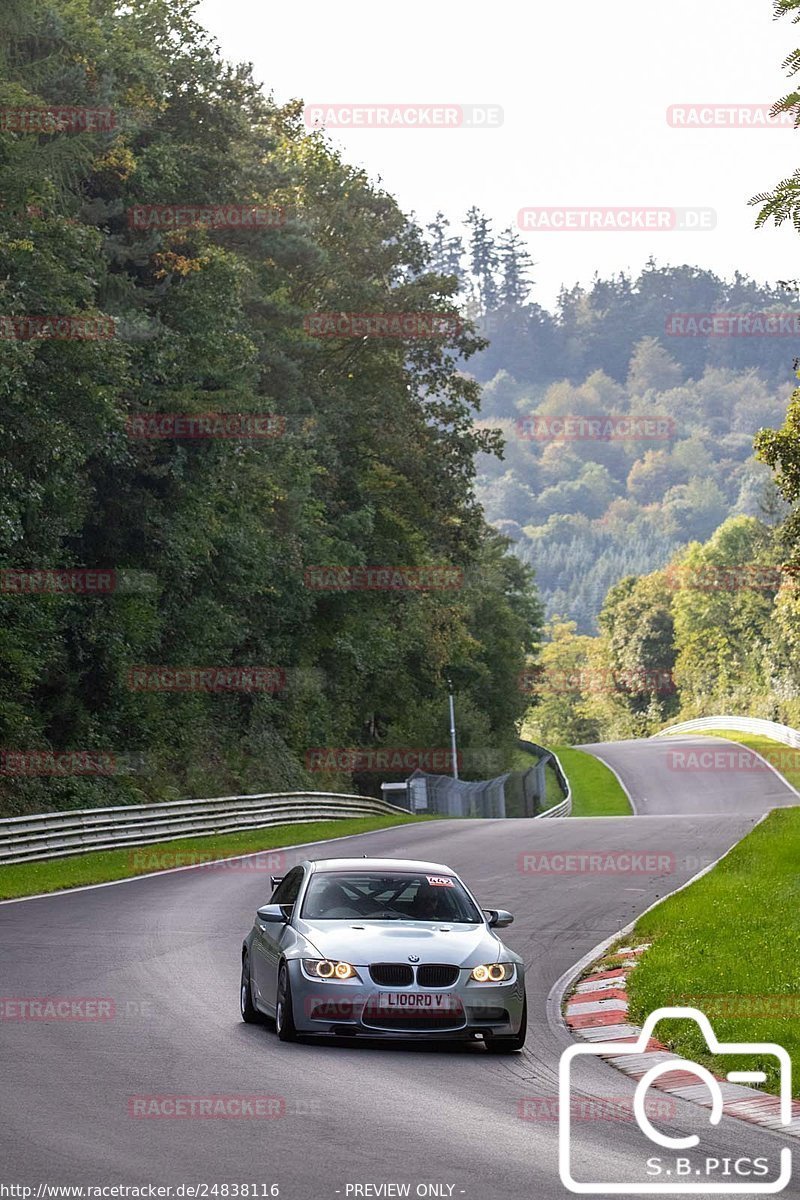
[(427, 906), (332, 901)]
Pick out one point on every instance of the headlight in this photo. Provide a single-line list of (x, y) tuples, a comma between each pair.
[(492, 973), (327, 968)]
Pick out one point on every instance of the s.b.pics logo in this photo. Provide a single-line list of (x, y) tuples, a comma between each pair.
[(676, 1161)]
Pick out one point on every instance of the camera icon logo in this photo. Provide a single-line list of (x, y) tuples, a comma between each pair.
[(672, 1143)]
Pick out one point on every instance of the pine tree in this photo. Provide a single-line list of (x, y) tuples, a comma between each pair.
[(447, 252), (483, 259), (515, 264), (437, 229)]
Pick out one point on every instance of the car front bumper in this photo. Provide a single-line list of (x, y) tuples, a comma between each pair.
[(351, 1008)]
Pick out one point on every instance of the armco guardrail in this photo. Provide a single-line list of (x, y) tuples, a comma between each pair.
[(59, 834), (564, 809), (770, 729)]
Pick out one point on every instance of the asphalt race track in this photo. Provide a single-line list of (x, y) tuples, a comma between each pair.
[(680, 774), (166, 950)]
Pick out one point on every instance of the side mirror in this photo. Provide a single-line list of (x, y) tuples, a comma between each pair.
[(498, 918), (271, 913)]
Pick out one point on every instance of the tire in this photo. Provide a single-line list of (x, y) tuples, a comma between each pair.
[(510, 1045), (284, 1012), (250, 1014)]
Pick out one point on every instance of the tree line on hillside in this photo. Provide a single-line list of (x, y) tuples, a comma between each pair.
[(587, 511), (675, 460), (717, 629), (597, 327), (210, 540)]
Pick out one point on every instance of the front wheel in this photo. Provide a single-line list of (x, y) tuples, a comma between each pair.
[(509, 1045), (249, 1012), (284, 1012)]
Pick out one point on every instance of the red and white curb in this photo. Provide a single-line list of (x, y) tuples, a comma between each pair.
[(597, 1011)]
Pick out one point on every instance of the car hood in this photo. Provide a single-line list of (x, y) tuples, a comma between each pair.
[(394, 941)]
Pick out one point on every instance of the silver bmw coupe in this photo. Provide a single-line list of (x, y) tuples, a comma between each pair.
[(382, 948)]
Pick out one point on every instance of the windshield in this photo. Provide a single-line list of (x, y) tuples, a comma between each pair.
[(376, 896)]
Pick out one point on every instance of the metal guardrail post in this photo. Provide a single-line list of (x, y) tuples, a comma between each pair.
[(545, 756), (39, 836), (74, 831)]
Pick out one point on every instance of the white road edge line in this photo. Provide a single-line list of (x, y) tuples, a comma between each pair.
[(744, 746), (203, 866), (631, 800), (555, 997)]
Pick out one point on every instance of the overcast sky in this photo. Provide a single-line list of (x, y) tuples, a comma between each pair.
[(584, 88)]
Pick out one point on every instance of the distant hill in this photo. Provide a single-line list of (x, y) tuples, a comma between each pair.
[(586, 504)]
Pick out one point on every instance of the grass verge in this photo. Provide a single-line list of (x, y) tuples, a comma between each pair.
[(784, 759), (103, 866), (596, 791), (730, 946)]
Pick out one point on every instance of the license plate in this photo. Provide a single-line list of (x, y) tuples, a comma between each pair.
[(417, 1002)]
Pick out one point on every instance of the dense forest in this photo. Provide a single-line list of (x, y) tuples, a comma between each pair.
[(597, 328), (587, 510), (131, 304), (279, 464), (716, 631)]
